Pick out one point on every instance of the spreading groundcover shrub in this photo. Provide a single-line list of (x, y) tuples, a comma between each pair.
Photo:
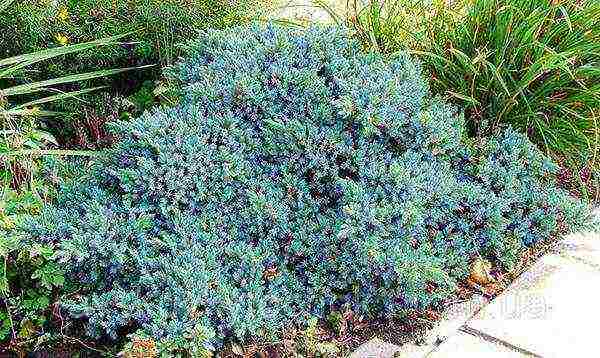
[(298, 177)]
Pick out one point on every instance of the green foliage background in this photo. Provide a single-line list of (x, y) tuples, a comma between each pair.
[(158, 26)]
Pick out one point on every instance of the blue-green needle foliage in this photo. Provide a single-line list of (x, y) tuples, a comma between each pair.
[(298, 177)]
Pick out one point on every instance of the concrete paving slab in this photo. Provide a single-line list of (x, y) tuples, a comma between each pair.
[(413, 351), (454, 317), (582, 246), (550, 310), (464, 345), (376, 348)]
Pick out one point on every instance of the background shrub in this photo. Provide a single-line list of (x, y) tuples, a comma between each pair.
[(299, 177), (532, 64), (156, 26)]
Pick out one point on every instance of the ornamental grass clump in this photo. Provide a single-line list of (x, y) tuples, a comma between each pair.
[(297, 178)]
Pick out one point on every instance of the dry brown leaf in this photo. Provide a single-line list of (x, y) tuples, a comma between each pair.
[(481, 272)]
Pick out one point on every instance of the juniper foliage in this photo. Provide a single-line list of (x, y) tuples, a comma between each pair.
[(298, 177)]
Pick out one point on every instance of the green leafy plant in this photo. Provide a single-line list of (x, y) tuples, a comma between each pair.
[(389, 25), (312, 345), (32, 279), (531, 64), (29, 273), (191, 344)]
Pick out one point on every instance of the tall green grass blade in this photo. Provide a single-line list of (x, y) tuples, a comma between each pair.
[(71, 94), (59, 152), (60, 51), (468, 99), (28, 112), (284, 22), (375, 17), (42, 85)]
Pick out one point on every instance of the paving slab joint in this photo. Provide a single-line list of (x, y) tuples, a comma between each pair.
[(570, 256), (493, 340)]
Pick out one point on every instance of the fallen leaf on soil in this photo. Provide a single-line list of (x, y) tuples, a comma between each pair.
[(480, 272)]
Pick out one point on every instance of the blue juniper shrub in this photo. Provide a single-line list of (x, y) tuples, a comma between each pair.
[(297, 177)]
